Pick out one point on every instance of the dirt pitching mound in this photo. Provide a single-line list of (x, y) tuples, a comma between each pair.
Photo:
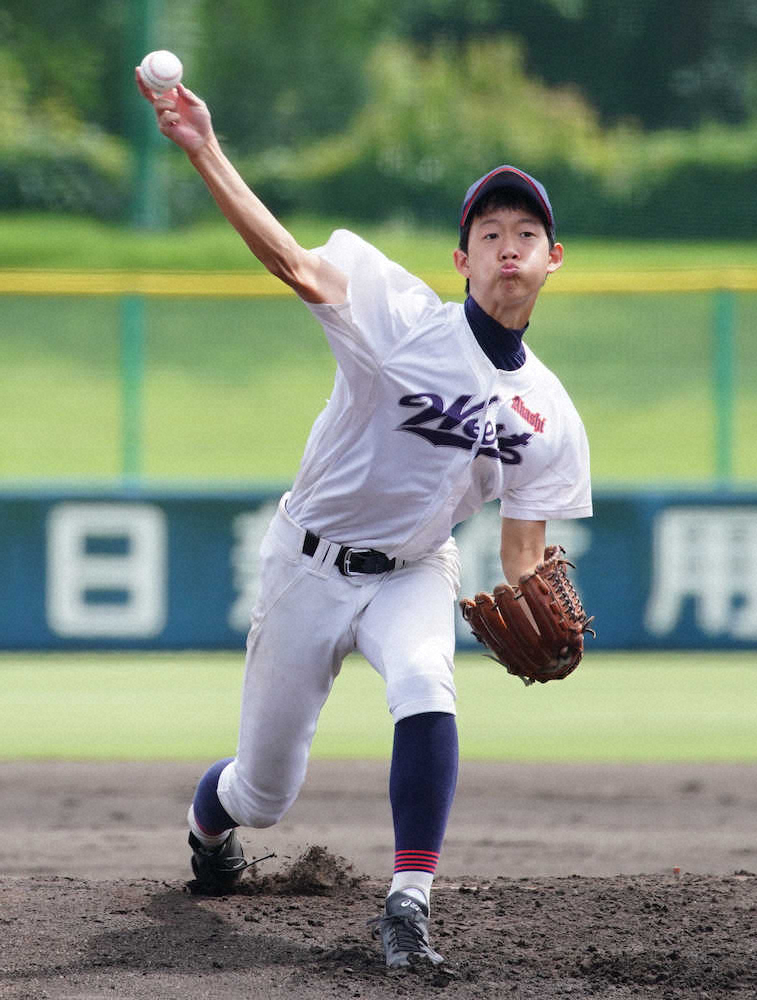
[(305, 933), (554, 906)]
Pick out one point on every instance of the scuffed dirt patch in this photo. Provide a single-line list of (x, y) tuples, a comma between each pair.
[(317, 872), (305, 933)]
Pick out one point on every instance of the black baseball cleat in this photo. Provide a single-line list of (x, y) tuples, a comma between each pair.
[(218, 868), (404, 932)]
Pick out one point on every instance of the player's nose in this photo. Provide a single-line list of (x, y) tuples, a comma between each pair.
[(508, 251)]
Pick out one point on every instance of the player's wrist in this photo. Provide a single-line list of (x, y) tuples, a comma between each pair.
[(206, 150)]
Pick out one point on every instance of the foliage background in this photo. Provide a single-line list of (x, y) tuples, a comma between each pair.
[(641, 117)]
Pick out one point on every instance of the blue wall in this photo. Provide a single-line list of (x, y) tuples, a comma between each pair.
[(158, 570)]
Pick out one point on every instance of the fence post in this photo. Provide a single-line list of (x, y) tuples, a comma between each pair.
[(148, 206), (132, 377), (723, 385)]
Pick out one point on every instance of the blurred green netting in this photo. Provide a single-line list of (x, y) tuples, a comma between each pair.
[(231, 386), (640, 370), (745, 395)]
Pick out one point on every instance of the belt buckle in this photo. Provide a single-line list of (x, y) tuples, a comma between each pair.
[(345, 562)]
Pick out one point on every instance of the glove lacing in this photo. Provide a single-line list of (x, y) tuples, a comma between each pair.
[(566, 593)]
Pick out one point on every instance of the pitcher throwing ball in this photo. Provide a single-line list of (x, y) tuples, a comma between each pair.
[(436, 408)]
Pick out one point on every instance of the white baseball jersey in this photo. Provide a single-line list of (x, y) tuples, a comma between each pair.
[(421, 428)]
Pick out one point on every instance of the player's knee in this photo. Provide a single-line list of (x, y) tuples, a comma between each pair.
[(259, 814), (421, 689), (251, 805), (259, 821)]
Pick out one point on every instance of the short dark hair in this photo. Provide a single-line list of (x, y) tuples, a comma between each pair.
[(504, 198)]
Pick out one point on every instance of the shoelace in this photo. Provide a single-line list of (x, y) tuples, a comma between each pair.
[(406, 934), (234, 862), (256, 861)]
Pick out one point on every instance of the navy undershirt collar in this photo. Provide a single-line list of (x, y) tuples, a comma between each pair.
[(502, 345)]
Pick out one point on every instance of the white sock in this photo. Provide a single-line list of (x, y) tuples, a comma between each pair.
[(417, 885), (206, 839)]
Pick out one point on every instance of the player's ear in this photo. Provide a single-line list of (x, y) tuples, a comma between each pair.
[(461, 262), (555, 258)]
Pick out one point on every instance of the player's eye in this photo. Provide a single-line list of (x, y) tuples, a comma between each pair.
[(527, 232)]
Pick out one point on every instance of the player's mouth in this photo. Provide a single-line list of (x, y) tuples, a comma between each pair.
[(509, 269)]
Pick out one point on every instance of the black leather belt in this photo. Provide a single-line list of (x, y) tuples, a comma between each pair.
[(352, 561)]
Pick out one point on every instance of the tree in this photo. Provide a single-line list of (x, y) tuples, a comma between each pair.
[(662, 62), (280, 74)]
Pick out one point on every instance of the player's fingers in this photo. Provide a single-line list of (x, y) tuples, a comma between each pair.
[(143, 88), (188, 96), (168, 119), (164, 103)]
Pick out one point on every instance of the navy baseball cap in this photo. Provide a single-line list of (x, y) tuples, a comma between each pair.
[(509, 177)]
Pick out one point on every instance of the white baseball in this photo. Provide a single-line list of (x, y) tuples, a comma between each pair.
[(161, 70)]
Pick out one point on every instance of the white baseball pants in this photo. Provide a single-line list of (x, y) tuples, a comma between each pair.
[(307, 618)]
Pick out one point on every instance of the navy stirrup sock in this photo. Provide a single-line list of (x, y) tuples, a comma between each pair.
[(210, 815), (421, 788)]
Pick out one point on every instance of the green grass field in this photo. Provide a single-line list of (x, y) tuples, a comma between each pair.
[(621, 707), (231, 386), (48, 241)]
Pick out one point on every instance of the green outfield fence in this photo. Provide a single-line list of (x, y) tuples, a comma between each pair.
[(114, 377)]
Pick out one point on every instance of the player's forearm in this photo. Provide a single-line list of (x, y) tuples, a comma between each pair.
[(309, 275), (518, 565), (268, 240), (521, 547)]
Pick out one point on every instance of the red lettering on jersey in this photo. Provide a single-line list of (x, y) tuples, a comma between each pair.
[(535, 419)]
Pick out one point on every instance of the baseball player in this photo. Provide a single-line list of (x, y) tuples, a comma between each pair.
[(436, 409)]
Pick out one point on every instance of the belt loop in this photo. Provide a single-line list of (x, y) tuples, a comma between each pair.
[(322, 552), (310, 544)]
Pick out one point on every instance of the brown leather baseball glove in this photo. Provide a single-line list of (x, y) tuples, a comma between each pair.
[(550, 646)]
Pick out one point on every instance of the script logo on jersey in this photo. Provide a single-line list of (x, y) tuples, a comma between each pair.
[(459, 425)]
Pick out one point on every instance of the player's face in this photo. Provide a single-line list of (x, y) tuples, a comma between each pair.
[(507, 262)]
